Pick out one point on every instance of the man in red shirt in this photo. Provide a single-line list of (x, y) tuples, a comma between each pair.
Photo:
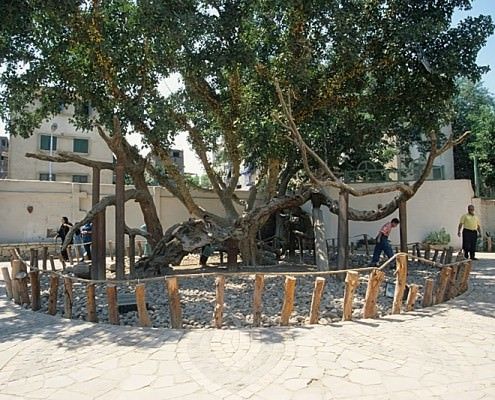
[(382, 242)]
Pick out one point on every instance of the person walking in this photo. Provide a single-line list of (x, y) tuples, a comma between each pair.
[(62, 233), (86, 232), (470, 225), (382, 242)]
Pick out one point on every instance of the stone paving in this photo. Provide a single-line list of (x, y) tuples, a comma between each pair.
[(444, 352)]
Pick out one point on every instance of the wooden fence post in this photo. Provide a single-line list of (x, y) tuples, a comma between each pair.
[(427, 252), (442, 286), (132, 255), (288, 305), (451, 286), (219, 300), (465, 276), (316, 300), (140, 248), (435, 255), (52, 297), (400, 283), (489, 244), (351, 283), (411, 297), (62, 261), (259, 283), (8, 282), (32, 258), (374, 282), (45, 257), (91, 303), (71, 254), (21, 277), (113, 311), (448, 255), (34, 277), (144, 318), (428, 293), (16, 265), (52, 262), (174, 302)]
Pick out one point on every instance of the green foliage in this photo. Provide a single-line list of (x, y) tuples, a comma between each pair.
[(474, 109), (440, 237)]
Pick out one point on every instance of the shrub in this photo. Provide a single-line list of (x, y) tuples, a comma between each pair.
[(438, 237)]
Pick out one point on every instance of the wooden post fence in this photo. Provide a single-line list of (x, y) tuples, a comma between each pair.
[(34, 277), (411, 297), (45, 258), (375, 280), (8, 282), (113, 311), (219, 300), (174, 302), (52, 263), (288, 305), (91, 303), (351, 283), (400, 282), (144, 318), (316, 300), (52, 297), (259, 283), (428, 293), (442, 285)]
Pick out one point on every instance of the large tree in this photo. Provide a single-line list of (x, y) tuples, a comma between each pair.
[(361, 76)]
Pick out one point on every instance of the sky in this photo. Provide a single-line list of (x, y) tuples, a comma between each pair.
[(485, 57)]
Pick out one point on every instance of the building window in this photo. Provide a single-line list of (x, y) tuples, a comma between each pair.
[(81, 146), (45, 142), (80, 178), (176, 154), (46, 177)]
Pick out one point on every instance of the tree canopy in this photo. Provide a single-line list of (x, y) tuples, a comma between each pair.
[(362, 77)]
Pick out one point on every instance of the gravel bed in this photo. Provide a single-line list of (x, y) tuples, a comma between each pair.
[(197, 295)]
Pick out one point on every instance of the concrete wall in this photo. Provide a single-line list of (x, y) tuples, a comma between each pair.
[(437, 204), (21, 167)]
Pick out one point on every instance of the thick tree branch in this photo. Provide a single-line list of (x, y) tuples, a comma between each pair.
[(64, 156)]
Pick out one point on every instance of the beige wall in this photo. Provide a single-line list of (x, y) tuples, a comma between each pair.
[(24, 168), (437, 204)]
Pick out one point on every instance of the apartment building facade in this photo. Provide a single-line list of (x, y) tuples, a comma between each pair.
[(58, 134)]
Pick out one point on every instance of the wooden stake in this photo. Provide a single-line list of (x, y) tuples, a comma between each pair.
[(435, 256), (442, 286), (316, 300), (113, 310), (21, 277), (132, 255), (427, 252), (45, 257), (428, 293), (375, 280), (91, 303), (174, 302), (52, 297), (68, 298), (8, 282), (411, 297), (489, 244), (219, 300), (16, 265), (31, 259), (351, 283), (34, 277), (144, 318), (259, 283), (52, 262), (400, 283), (448, 255), (465, 276), (78, 253), (451, 286), (442, 257), (288, 305)]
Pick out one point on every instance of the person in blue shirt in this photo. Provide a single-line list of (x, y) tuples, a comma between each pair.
[(86, 231)]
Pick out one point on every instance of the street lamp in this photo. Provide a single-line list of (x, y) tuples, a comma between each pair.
[(53, 128)]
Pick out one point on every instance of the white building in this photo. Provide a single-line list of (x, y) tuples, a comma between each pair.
[(58, 134)]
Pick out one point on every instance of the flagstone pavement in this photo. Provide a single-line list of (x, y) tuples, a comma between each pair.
[(443, 352)]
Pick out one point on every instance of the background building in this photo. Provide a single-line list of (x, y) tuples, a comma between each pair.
[(58, 134)]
